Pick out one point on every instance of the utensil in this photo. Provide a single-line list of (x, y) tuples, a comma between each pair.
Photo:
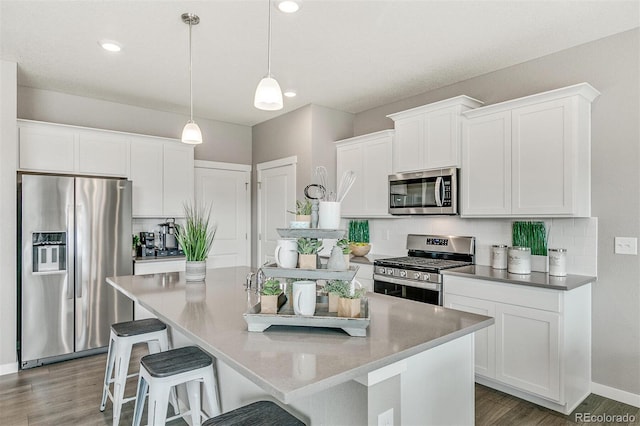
[(346, 182), (322, 176)]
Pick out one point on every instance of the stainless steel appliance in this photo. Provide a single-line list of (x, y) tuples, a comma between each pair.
[(74, 232), (426, 192), (417, 275), (168, 244), (147, 245)]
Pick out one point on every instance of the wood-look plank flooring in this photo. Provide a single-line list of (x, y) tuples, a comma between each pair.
[(68, 393)]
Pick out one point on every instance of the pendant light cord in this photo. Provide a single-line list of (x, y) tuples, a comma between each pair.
[(269, 44), (190, 74)]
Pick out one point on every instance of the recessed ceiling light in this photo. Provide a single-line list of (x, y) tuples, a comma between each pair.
[(290, 94), (289, 6), (110, 45)]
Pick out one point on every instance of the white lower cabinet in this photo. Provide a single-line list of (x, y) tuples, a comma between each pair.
[(485, 339), (539, 348), (156, 267)]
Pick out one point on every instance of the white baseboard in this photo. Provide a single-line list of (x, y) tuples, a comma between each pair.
[(8, 368), (616, 394)]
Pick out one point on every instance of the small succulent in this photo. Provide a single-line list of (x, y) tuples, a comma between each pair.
[(357, 294), (309, 245), (338, 287), (344, 245), (271, 287), (302, 208)]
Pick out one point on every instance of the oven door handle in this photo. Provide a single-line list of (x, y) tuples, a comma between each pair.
[(439, 191), (400, 281)]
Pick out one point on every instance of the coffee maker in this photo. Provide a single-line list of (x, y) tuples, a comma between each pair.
[(168, 245), (147, 246)]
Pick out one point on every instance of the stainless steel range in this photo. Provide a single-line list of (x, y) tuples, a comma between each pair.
[(417, 275)]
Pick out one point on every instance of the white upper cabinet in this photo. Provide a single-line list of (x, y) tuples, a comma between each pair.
[(103, 153), (162, 170), (46, 148), (530, 156), (162, 174), (369, 156), (60, 148), (428, 137), (178, 178), (147, 176)]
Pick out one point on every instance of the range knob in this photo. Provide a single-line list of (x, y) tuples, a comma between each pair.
[(403, 274), (416, 275), (389, 271), (381, 270), (426, 277)]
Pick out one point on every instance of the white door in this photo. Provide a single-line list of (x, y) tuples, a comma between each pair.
[(276, 195), (228, 191)]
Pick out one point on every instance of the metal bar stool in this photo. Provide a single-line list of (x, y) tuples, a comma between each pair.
[(261, 413), (162, 371), (124, 335)]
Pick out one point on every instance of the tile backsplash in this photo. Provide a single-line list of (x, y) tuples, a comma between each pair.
[(579, 236)]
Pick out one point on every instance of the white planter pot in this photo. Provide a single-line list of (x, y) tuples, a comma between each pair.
[(195, 271)]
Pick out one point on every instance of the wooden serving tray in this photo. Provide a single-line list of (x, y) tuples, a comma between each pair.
[(356, 327)]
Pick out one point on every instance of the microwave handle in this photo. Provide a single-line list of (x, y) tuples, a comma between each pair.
[(438, 191)]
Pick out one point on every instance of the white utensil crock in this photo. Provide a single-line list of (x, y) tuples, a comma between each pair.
[(329, 215)]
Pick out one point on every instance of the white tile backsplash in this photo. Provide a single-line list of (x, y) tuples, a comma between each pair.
[(577, 235)]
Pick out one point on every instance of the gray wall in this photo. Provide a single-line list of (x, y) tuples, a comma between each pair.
[(225, 142), (611, 65), (308, 133)]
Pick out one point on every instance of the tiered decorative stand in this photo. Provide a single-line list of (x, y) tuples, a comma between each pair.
[(259, 322)]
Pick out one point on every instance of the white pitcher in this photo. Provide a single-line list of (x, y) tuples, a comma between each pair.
[(286, 253)]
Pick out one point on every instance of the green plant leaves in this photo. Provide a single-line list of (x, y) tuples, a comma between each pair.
[(196, 237)]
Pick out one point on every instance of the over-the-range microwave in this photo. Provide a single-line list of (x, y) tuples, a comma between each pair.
[(424, 192)]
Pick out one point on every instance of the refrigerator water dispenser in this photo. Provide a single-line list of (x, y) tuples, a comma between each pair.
[(49, 251)]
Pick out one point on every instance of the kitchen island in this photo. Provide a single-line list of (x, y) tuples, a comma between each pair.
[(415, 365)]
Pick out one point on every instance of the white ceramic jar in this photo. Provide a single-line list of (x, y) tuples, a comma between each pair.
[(499, 256), (557, 262), (519, 261)]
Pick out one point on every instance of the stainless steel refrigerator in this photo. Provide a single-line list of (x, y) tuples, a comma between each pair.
[(74, 232)]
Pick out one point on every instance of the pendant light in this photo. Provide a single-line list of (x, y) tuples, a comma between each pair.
[(268, 94), (191, 133)]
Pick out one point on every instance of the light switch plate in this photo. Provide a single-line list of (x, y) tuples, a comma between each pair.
[(626, 245)]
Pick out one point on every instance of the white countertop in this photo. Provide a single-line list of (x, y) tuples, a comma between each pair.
[(210, 314)]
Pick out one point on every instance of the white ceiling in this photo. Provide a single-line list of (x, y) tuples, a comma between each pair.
[(346, 54)]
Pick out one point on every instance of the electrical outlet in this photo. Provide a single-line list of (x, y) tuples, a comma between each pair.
[(386, 418), (626, 245)]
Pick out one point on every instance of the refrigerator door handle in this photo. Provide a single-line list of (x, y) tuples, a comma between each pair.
[(69, 245), (80, 211)]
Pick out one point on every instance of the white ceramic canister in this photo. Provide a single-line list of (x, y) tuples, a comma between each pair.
[(557, 262), (519, 261), (499, 256)]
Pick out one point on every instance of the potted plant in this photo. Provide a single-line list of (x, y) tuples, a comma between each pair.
[(334, 289), (270, 296), (303, 211), (135, 242), (195, 239), (308, 252), (359, 237), (343, 243), (349, 303)]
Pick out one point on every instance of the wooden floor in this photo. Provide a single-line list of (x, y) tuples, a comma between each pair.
[(69, 393)]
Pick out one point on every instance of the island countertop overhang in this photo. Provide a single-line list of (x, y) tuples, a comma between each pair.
[(210, 314)]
